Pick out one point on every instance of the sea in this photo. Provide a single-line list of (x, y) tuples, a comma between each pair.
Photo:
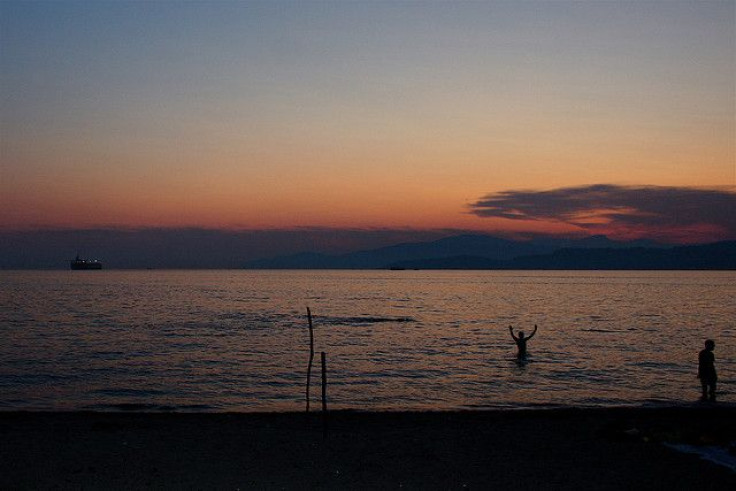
[(238, 340)]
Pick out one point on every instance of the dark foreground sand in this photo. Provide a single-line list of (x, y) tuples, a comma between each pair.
[(543, 449)]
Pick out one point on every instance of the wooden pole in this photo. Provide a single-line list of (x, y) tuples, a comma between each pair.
[(324, 383), (311, 354), (324, 396)]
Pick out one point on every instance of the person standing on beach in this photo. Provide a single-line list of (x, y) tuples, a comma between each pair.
[(707, 371), (520, 341)]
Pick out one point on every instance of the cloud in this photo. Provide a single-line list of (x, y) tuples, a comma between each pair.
[(678, 214)]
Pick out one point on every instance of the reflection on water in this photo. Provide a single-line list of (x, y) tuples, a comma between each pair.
[(238, 340)]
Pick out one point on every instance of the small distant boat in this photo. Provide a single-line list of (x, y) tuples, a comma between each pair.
[(79, 263)]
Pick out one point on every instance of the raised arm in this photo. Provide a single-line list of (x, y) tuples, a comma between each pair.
[(533, 332), (511, 330)]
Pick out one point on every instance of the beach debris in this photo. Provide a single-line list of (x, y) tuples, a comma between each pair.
[(632, 432), (712, 453)]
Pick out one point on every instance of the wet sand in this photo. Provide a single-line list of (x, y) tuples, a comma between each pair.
[(542, 449)]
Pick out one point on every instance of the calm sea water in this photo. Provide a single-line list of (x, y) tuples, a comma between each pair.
[(395, 340)]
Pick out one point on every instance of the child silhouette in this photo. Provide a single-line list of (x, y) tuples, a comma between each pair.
[(707, 371)]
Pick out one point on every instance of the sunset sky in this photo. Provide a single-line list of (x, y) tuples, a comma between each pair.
[(573, 117)]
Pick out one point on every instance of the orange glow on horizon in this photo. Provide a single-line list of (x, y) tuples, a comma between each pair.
[(376, 115)]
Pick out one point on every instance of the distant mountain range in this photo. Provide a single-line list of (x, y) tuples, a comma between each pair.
[(488, 252)]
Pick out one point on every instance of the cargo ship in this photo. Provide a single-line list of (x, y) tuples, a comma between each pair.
[(79, 263)]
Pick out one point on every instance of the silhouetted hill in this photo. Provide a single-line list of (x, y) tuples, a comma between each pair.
[(452, 262), (468, 244), (716, 256), (469, 251), (720, 255), (303, 260)]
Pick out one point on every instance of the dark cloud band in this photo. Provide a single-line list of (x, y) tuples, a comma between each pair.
[(607, 206)]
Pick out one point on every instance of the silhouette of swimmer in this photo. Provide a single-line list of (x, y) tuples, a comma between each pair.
[(521, 341), (707, 371)]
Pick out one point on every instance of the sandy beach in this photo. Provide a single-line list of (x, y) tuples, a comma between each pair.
[(620, 448)]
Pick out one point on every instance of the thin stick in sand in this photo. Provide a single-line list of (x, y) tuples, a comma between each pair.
[(324, 396), (311, 354)]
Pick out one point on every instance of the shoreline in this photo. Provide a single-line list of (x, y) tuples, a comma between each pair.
[(149, 408), (560, 448)]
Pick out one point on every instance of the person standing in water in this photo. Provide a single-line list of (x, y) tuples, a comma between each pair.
[(520, 341), (707, 371)]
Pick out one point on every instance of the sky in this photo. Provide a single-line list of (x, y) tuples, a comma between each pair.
[(551, 117)]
